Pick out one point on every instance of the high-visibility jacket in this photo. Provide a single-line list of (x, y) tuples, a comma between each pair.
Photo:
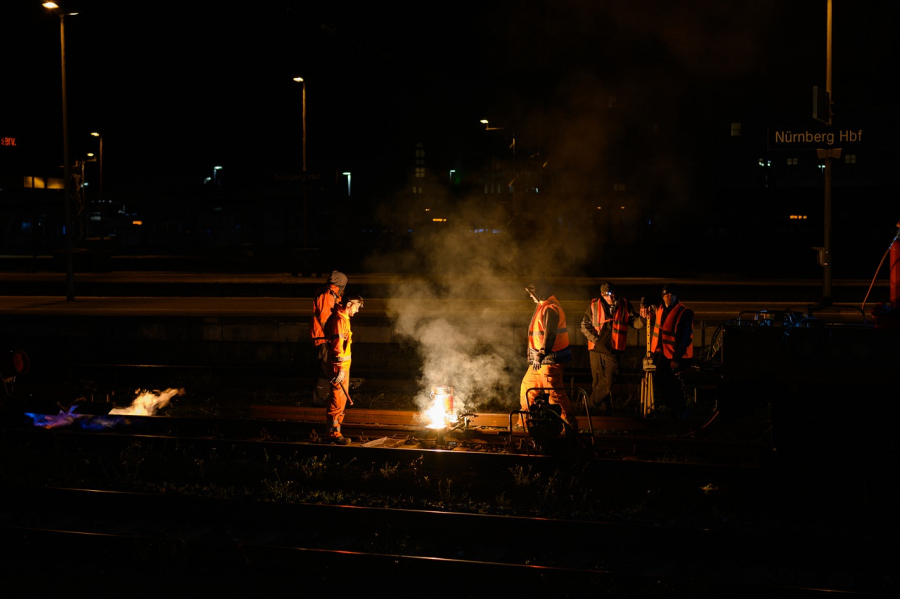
[(560, 351), (618, 322), (664, 333), (339, 336), (323, 306)]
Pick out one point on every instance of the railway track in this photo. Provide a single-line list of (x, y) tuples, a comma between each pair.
[(121, 540), (400, 430)]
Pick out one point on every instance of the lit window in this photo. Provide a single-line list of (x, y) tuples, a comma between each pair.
[(619, 187), (792, 161), (420, 171), (850, 158), (735, 129)]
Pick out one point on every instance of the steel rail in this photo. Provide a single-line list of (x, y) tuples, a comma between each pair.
[(263, 534)]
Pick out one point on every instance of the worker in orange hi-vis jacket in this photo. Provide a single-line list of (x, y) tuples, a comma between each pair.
[(548, 349), (338, 341), (323, 306)]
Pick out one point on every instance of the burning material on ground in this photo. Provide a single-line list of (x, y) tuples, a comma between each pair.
[(147, 403), (71, 419)]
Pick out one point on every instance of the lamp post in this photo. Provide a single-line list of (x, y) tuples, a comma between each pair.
[(347, 174), (67, 167), (512, 146), (100, 176), (303, 84), (301, 81)]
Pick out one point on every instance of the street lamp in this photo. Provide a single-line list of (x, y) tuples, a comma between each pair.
[(303, 172), (215, 177), (512, 146), (347, 174), (67, 167), (100, 176), (303, 83)]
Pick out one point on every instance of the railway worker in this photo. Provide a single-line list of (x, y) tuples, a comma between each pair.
[(605, 324), (323, 305), (339, 338), (671, 348), (548, 349)]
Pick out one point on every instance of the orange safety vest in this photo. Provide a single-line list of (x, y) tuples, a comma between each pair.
[(323, 306), (665, 332), (339, 339), (536, 328), (619, 322)]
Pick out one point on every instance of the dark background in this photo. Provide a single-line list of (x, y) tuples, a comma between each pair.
[(635, 96)]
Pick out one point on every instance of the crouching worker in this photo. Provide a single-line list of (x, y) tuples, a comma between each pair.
[(338, 338)]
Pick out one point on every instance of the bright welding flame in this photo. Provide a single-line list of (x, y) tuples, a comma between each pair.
[(437, 415), (147, 403)]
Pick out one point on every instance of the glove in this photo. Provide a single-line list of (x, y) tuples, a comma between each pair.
[(338, 378), (536, 360)]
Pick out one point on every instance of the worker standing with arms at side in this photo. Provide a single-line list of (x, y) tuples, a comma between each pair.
[(323, 305), (672, 349), (339, 339), (548, 349), (605, 324)]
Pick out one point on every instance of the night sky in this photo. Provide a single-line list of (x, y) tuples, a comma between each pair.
[(178, 87)]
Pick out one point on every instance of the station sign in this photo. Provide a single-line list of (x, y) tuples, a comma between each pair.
[(300, 177), (814, 138)]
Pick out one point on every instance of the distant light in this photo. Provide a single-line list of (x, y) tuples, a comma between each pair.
[(622, 207), (137, 223), (599, 207), (217, 168), (95, 134), (439, 220), (50, 5), (90, 154), (484, 121), (298, 79), (428, 210)]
